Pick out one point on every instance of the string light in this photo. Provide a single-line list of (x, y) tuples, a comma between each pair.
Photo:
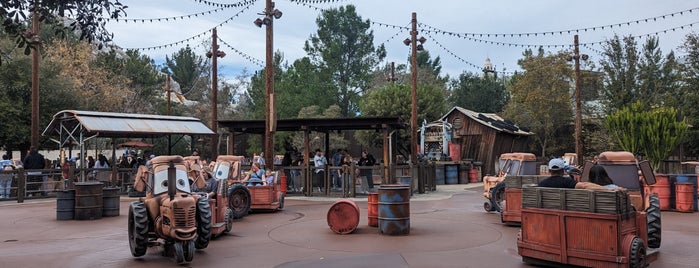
[(214, 4), (400, 30), (255, 61), (182, 17)]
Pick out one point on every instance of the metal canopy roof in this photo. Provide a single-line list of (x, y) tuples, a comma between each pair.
[(314, 124), (123, 125)]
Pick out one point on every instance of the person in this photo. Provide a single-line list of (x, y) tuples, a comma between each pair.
[(255, 175), (34, 160), (195, 152), (150, 157), (101, 163), (598, 175), (261, 160), (346, 169), (296, 174), (367, 160), (211, 184), (337, 161), (6, 178), (319, 162), (269, 178), (558, 180), (91, 165)]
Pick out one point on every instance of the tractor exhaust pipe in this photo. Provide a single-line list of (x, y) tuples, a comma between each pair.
[(171, 180)]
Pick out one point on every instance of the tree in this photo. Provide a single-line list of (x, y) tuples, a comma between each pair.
[(620, 65), (189, 70), (145, 83), (481, 94), (86, 16), (343, 49), (687, 95), (541, 98)]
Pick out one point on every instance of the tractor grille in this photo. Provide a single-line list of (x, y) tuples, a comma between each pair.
[(185, 217)]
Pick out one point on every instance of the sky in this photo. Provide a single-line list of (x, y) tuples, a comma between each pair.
[(452, 28)]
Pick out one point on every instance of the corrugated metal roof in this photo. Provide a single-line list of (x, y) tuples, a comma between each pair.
[(105, 124), (493, 121)]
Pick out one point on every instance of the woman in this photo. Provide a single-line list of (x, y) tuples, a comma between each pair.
[(101, 163), (255, 175), (598, 175)]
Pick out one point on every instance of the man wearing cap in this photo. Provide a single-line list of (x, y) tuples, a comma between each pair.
[(557, 180)]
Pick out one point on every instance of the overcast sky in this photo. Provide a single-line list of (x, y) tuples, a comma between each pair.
[(458, 54)]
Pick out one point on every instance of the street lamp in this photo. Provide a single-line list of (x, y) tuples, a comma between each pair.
[(270, 13), (578, 102)]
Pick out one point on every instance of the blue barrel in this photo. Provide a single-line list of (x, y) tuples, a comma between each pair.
[(394, 209), (452, 174), (65, 205), (439, 174)]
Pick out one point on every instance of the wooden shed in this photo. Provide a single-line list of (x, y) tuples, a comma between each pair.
[(484, 136)]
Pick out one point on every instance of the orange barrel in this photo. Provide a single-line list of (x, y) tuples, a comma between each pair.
[(684, 196), (373, 207), (343, 216), (88, 200), (662, 189), (473, 175), (394, 209), (282, 177)]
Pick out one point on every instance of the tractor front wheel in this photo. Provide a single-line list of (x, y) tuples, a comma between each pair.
[(179, 252), (637, 254), (653, 221), (497, 196), (228, 217), (189, 249), (138, 229), (203, 223)]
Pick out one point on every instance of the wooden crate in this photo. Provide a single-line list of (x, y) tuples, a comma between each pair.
[(517, 181), (605, 202)]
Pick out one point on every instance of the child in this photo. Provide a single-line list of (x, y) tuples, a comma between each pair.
[(269, 178)]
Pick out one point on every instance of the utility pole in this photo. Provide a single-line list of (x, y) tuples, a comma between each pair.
[(578, 102), (36, 43), (214, 54), (270, 110), (392, 77), (414, 47)]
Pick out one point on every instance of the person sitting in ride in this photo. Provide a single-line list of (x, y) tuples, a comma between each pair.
[(211, 184), (269, 178), (255, 175), (599, 176)]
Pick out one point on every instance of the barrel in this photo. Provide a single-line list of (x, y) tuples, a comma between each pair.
[(373, 208), (88, 200), (662, 189), (439, 174), (110, 202), (65, 205), (343, 216), (451, 174), (691, 179), (463, 175), (684, 197), (405, 180), (394, 209), (282, 177), (473, 175)]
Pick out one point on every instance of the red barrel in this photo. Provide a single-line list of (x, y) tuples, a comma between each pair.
[(684, 196), (282, 177), (662, 188), (394, 209), (373, 207), (343, 216), (473, 175)]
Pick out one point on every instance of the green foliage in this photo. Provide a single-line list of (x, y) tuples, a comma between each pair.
[(343, 50), (189, 70), (541, 97), (656, 132), (620, 65), (481, 94)]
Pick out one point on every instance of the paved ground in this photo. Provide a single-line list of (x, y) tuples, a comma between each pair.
[(448, 229)]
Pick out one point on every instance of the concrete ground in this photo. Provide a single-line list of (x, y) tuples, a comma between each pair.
[(448, 229)]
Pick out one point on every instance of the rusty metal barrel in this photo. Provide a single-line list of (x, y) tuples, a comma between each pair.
[(684, 197), (65, 205), (373, 209), (394, 209), (343, 216), (88, 200), (110, 202)]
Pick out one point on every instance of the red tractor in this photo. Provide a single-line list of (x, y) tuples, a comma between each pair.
[(170, 214), (510, 164)]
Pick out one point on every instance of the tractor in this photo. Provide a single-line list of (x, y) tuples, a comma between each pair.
[(241, 198), (510, 164), (221, 214), (169, 214)]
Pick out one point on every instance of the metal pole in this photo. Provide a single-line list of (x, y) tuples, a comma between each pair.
[(214, 95), (270, 117), (35, 77), (413, 92), (578, 104)]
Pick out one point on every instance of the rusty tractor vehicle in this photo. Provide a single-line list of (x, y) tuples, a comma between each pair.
[(509, 164), (169, 215), (593, 228), (241, 198), (221, 214)]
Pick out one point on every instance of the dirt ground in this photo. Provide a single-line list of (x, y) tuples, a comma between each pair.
[(449, 228)]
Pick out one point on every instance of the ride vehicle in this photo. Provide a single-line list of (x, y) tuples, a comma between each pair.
[(169, 214), (221, 214), (509, 164)]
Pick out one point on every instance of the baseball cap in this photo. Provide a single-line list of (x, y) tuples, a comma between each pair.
[(556, 164), (5, 163)]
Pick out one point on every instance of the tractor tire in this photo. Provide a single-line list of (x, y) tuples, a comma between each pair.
[(637, 254), (228, 217), (488, 206), (653, 221), (189, 250), (203, 223), (138, 229), (497, 196), (281, 200), (239, 200), (179, 252)]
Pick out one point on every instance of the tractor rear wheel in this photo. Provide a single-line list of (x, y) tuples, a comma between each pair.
[(203, 223), (653, 221), (138, 229), (239, 200), (497, 196), (488, 206), (637, 254), (228, 217)]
